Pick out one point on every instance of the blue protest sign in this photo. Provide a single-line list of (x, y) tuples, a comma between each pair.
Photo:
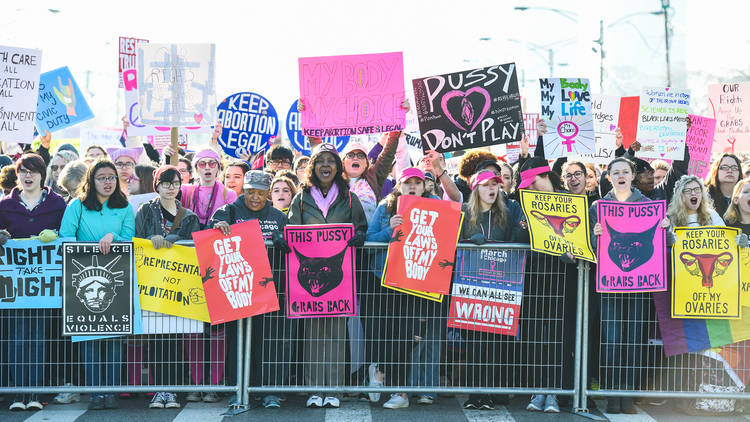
[(61, 103), (31, 274), (300, 141), (248, 122)]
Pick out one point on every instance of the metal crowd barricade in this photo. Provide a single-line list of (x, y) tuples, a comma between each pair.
[(408, 338)]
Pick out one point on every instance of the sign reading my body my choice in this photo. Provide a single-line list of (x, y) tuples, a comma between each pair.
[(248, 122), (299, 141)]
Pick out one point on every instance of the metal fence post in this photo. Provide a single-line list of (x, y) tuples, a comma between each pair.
[(579, 329)]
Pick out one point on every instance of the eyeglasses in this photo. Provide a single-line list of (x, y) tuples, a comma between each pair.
[(167, 185), (733, 169), (184, 170), (105, 179), (24, 172), (124, 164), (576, 175), (210, 164), (356, 154), (692, 191), (280, 163)]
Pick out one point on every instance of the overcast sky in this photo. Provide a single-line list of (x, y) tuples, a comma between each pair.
[(258, 42)]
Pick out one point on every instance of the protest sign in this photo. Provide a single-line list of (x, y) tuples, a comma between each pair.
[(605, 110), (487, 290), (19, 92), (566, 108), (628, 119), (352, 95), (299, 141), (662, 122), (97, 289), (248, 121), (421, 255), (631, 251), (700, 141), (745, 277), (513, 149), (176, 84), (31, 274), (133, 113), (162, 141), (237, 279), (169, 280), (126, 52), (101, 137), (705, 273), (475, 108), (320, 270), (558, 223), (60, 103), (727, 105)]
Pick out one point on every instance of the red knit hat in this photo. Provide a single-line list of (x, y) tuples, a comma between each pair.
[(158, 172)]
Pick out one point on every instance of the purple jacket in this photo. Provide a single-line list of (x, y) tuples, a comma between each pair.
[(21, 222)]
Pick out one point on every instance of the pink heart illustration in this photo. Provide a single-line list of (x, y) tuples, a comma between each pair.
[(612, 127), (198, 117), (662, 156), (467, 109), (666, 89)]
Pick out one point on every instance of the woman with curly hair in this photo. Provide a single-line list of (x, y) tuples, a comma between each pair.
[(725, 173), (691, 205), (467, 168)]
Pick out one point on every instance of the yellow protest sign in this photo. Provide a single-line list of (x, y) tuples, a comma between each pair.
[(558, 223), (169, 280), (705, 273)]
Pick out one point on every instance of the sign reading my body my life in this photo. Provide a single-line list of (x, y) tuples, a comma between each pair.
[(705, 273), (320, 280), (19, 92), (176, 84), (727, 104), (299, 141), (248, 121), (237, 279), (662, 122), (558, 223), (471, 109), (31, 274), (700, 141), (126, 51), (487, 290), (169, 280), (97, 289), (60, 103), (631, 250), (566, 108), (421, 255), (352, 95)]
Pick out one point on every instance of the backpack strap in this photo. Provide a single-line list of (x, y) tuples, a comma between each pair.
[(231, 214), (177, 220)]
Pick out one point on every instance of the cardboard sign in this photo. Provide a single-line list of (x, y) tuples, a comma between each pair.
[(513, 149), (133, 113), (31, 274), (236, 274), (421, 255), (320, 272), (487, 290), (19, 91), (566, 108), (248, 121), (558, 223), (628, 119), (631, 249), (705, 273), (176, 84), (475, 108), (299, 141), (60, 103), (126, 53), (97, 289), (169, 280), (662, 122), (700, 141), (727, 105), (351, 95), (605, 110)]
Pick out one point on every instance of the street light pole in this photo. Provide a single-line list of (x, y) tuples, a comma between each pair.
[(600, 42), (551, 54), (665, 8)]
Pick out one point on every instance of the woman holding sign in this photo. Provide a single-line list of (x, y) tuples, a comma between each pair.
[(325, 198), (29, 210), (100, 214)]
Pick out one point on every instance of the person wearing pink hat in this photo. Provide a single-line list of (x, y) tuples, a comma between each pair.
[(125, 160), (207, 194)]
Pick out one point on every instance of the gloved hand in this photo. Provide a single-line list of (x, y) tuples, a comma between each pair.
[(280, 243), (567, 258), (478, 239), (357, 240), (4, 236), (47, 235), (742, 240)]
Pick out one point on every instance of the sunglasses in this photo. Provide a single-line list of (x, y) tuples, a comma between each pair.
[(210, 164)]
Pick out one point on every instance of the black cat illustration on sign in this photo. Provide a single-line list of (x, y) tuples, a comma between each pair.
[(320, 275), (630, 250)]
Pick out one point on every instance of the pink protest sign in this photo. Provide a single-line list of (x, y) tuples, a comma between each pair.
[(126, 54), (726, 104), (700, 141), (320, 278), (631, 249), (352, 95)]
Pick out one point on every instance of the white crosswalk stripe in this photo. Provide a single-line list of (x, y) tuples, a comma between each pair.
[(350, 411), (59, 412), (203, 412)]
